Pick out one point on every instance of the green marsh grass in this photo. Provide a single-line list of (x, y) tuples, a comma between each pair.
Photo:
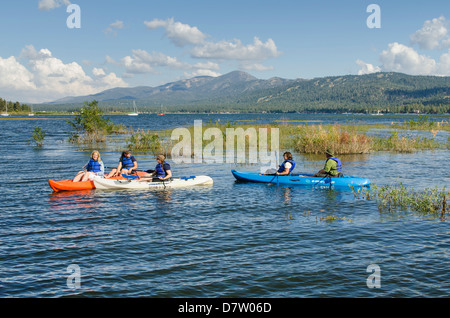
[(424, 123), (145, 141), (398, 199), (395, 142), (302, 138), (341, 139)]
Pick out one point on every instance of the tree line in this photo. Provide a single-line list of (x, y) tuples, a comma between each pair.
[(13, 107)]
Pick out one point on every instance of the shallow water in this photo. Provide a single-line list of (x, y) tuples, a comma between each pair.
[(226, 240)]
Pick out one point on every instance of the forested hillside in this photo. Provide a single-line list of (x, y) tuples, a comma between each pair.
[(240, 92)]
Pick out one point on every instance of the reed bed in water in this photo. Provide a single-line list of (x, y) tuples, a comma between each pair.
[(349, 139), (316, 138), (398, 198), (395, 142), (424, 123), (310, 139)]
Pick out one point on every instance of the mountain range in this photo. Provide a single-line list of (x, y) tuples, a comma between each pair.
[(187, 90), (240, 91)]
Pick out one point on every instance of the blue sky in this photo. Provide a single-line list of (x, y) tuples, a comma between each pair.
[(149, 43)]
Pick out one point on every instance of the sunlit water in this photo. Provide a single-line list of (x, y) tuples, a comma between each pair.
[(226, 240)]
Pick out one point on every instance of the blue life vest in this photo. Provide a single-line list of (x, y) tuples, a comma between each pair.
[(282, 168), (127, 163), (93, 166), (161, 169), (338, 163)]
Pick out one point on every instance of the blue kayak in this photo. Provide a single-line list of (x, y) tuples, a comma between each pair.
[(302, 179)]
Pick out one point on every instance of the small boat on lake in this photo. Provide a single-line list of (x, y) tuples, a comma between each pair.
[(5, 114), (172, 183), (161, 113), (69, 185), (302, 179), (135, 112)]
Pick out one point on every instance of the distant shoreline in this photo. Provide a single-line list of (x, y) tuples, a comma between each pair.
[(231, 113)]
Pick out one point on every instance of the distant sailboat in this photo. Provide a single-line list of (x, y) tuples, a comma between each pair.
[(134, 113), (377, 114), (5, 114), (161, 113), (31, 113)]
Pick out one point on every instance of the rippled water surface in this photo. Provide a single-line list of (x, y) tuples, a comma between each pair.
[(225, 240)]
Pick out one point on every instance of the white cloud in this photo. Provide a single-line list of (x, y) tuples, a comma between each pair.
[(444, 64), (367, 68), (98, 71), (432, 35), (255, 67), (249, 55), (14, 76), (201, 72), (46, 5), (401, 58), (180, 34), (142, 62), (207, 65), (236, 50), (114, 26), (42, 77), (110, 60), (134, 66)]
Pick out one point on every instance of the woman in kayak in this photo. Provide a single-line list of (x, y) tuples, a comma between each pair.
[(287, 166), (94, 167), (333, 166), (162, 171), (127, 164)]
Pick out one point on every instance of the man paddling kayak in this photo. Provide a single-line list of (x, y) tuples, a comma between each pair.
[(162, 171), (332, 168)]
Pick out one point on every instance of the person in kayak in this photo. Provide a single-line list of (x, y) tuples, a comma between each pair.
[(127, 164), (332, 168), (94, 167), (162, 171), (287, 166)]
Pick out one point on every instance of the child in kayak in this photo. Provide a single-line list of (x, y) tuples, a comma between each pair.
[(94, 167), (333, 166), (127, 164), (162, 171), (285, 168)]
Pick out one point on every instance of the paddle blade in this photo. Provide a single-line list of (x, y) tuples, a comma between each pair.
[(130, 177)]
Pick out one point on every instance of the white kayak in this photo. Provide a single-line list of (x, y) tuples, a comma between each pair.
[(182, 182)]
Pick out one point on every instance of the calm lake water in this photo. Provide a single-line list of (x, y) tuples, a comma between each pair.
[(226, 240)]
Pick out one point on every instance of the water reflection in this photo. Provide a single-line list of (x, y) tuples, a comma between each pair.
[(163, 198), (287, 194), (73, 200)]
